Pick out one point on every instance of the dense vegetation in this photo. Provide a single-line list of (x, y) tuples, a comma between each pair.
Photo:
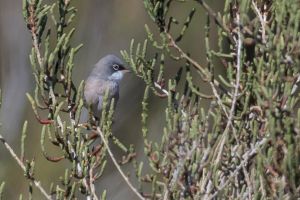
[(244, 145)]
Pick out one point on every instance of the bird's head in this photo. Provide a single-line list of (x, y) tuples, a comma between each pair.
[(110, 67)]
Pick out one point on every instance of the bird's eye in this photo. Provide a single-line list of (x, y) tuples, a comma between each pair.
[(116, 67)]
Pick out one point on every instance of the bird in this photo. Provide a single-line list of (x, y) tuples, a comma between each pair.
[(104, 77)]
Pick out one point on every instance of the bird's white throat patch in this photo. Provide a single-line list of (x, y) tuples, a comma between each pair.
[(116, 76)]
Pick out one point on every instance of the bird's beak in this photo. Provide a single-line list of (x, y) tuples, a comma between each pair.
[(125, 71)]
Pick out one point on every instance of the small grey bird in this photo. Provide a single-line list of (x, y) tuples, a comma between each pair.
[(106, 76)]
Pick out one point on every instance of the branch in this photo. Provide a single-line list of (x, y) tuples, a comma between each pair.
[(262, 21), (234, 96), (185, 56), (34, 36), (249, 154), (238, 73), (217, 19), (213, 83), (20, 163), (118, 166), (92, 183), (161, 88)]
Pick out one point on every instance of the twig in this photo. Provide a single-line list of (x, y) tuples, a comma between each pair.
[(33, 30), (20, 163), (92, 185), (246, 157), (235, 94), (212, 83), (185, 56), (248, 181), (175, 175), (161, 88), (118, 166), (262, 21), (219, 101), (238, 72), (217, 19), (37, 49), (166, 194), (295, 85), (183, 158)]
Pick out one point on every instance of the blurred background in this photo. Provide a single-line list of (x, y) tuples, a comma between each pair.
[(103, 26)]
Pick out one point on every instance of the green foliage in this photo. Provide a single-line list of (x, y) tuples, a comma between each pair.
[(246, 144), (0, 102), (1, 190), (56, 95)]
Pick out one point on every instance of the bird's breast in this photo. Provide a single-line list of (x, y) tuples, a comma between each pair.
[(95, 87)]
